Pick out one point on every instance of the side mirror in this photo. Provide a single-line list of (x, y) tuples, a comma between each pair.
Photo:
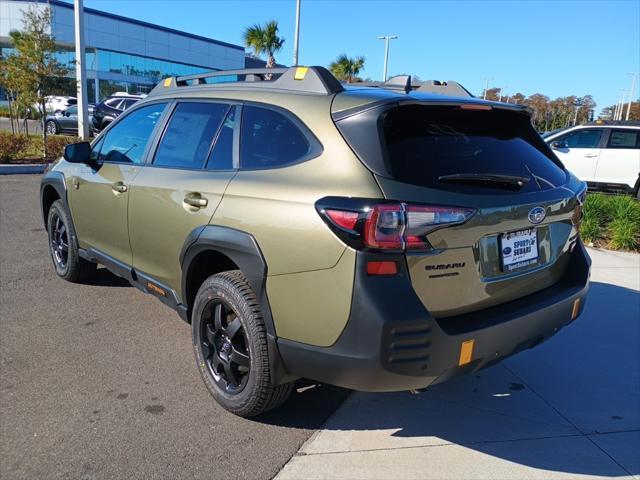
[(77, 152), (559, 144), (66, 113)]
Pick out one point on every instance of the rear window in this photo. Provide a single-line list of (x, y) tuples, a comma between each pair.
[(424, 144), (624, 139)]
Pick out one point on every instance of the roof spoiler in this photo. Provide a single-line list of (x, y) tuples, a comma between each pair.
[(313, 80)]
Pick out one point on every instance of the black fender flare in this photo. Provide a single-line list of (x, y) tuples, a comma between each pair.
[(243, 249), (56, 181)]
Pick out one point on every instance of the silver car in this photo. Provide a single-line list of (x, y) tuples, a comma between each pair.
[(66, 121)]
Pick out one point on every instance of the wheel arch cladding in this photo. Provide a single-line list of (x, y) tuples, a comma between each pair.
[(52, 188), (235, 249), (213, 249)]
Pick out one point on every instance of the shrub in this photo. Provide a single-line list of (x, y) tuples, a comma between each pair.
[(612, 221), (624, 234), (56, 144), (12, 147)]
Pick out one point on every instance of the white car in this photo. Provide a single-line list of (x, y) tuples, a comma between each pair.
[(57, 103), (606, 156)]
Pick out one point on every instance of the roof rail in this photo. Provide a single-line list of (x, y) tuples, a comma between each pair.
[(313, 80), (449, 87)]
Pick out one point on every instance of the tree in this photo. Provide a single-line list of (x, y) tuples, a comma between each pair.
[(264, 41), (347, 69), (32, 72), (491, 94), (607, 112)]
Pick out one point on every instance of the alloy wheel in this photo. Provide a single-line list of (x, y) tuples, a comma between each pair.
[(224, 347), (59, 241)]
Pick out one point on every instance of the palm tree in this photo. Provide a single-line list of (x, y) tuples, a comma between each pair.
[(347, 69), (264, 40)]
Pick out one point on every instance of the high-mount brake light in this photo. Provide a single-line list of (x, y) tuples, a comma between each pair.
[(389, 226), (475, 106)]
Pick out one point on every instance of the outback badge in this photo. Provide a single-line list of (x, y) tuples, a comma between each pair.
[(536, 215)]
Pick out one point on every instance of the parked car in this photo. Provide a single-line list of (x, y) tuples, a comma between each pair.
[(605, 155), (365, 237), (57, 103), (67, 120), (111, 108)]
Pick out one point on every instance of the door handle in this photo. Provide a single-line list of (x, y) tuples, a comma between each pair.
[(119, 187), (196, 200), (590, 155)]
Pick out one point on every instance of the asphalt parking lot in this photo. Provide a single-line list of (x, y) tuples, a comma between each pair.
[(99, 381)]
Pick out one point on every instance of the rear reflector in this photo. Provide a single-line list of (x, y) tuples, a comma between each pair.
[(466, 352), (576, 309), (382, 268)]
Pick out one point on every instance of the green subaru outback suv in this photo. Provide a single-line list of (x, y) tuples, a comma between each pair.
[(379, 238)]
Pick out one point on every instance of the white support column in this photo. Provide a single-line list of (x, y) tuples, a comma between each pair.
[(81, 71)]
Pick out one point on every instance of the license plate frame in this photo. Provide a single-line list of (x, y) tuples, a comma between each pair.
[(528, 251)]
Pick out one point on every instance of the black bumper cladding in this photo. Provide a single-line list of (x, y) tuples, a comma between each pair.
[(392, 343)]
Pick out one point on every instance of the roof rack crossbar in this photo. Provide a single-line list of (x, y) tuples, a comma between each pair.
[(312, 80)]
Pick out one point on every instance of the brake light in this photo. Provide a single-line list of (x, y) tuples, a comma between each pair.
[(388, 226), (343, 218)]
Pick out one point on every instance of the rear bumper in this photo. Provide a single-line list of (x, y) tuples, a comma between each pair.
[(392, 343)]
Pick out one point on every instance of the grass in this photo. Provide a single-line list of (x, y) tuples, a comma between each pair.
[(611, 221)]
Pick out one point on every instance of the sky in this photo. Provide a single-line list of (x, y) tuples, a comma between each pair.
[(556, 48)]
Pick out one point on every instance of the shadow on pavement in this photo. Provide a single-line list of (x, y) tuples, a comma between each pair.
[(545, 408), (104, 278)]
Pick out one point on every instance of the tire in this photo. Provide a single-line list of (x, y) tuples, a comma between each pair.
[(229, 337), (52, 127), (64, 247)]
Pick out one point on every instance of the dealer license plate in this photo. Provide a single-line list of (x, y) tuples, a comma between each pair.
[(519, 249)]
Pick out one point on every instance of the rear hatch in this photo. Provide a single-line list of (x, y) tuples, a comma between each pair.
[(491, 214)]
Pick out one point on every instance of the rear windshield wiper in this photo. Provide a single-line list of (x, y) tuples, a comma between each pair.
[(513, 182)]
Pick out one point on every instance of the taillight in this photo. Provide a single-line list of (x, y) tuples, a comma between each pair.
[(389, 226), (578, 213)]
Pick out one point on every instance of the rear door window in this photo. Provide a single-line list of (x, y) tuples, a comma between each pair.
[(624, 139), (269, 139), (188, 137), (583, 138), (427, 145)]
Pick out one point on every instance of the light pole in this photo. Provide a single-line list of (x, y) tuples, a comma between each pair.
[(633, 87), (486, 87), (296, 40), (386, 39), (81, 71)]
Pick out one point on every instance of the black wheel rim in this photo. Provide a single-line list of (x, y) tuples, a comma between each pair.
[(224, 347), (59, 241)]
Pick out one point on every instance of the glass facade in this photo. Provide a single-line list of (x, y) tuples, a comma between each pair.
[(117, 72)]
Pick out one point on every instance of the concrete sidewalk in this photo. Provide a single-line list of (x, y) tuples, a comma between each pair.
[(569, 408)]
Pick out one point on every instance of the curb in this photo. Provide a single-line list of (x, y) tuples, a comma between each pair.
[(22, 169)]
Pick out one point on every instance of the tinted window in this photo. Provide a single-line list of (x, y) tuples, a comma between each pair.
[(112, 102), (425, 143), (221, 157), (72, 110), (127, 140), (624, 139), (188, 137), (582, 138), (126, 104), (269, 139)]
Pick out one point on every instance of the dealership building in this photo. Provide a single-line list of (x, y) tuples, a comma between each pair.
[(123, 54)]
